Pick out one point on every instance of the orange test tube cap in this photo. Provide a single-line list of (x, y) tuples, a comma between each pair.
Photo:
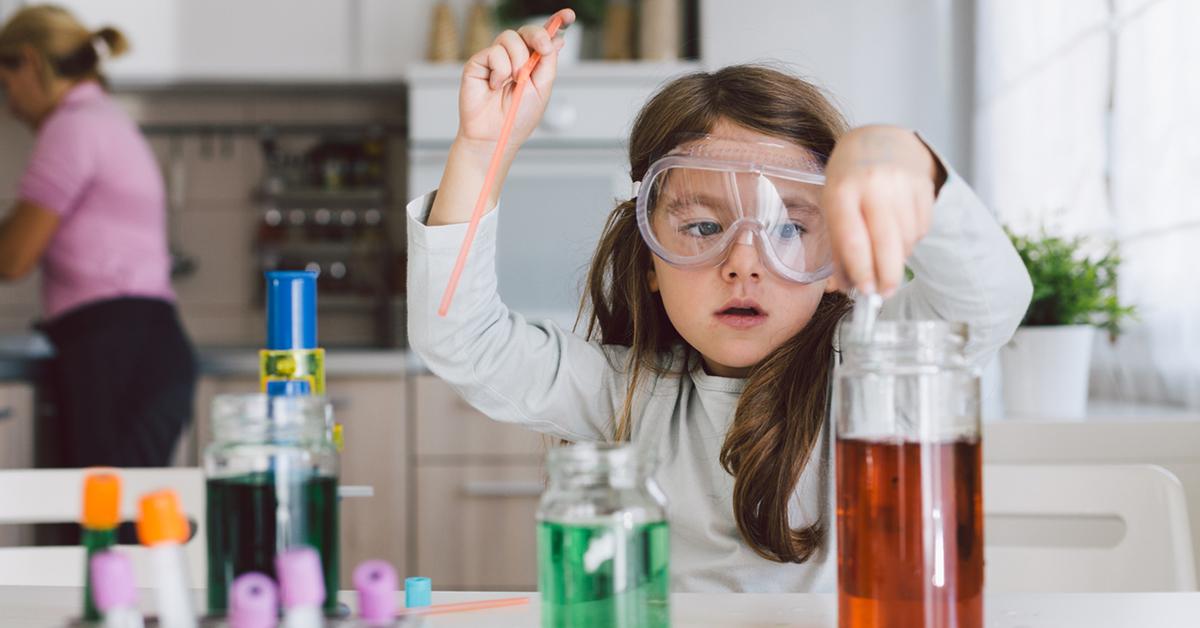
[(101, 500), (160, 519)]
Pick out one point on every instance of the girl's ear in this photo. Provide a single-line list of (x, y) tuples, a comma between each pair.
[(652, 280)]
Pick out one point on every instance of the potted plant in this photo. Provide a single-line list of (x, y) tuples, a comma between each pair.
[(588, 16), (1046, 365)]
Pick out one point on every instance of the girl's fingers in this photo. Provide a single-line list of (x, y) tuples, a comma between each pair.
[(518, 51), (852, 243), (880, 209), (546, 69), (537, 38), (906, 217), (499, 66)]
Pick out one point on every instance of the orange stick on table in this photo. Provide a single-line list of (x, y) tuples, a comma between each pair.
[(489, 179), (459, 607)]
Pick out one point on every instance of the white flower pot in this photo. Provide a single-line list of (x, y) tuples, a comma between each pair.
[(1046, 372)]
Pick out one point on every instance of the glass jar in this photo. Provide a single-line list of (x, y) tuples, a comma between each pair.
[(271, 484), (909, 479), (603, 540)]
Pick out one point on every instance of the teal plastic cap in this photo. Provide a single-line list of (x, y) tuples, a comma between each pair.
[(418, 592)]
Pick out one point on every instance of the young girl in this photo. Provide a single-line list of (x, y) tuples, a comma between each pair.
[(713, 311)]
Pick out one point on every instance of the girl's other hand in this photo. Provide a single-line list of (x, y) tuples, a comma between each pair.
[(489, 78), (879, 191)]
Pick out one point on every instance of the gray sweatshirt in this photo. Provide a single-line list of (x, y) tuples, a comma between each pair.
[(549, 380)]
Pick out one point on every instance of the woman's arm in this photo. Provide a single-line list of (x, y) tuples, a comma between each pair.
[(24, 235)]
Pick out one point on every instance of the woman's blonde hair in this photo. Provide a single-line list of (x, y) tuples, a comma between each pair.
[(785, 403), (68, 48)]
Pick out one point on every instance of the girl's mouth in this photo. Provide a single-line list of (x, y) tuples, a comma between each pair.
[(741, 315)]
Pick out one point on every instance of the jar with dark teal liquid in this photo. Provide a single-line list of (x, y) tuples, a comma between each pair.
[(271, 477), (603, 541)]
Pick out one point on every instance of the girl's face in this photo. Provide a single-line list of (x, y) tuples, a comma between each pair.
[(739, 311)]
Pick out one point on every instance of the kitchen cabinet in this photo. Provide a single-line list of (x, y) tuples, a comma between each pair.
[(476, 526), (16, 445), (477, 487)]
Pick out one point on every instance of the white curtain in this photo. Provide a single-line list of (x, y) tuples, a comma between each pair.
[(1087, 121)]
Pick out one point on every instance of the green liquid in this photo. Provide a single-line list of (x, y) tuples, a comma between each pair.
[(243, 536), (600, 575), (94, 541)]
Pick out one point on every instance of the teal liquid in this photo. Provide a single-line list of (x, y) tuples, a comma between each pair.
[(94, 542), (623, 582), (242, 533)]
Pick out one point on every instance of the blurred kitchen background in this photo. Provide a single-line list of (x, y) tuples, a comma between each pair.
[(291, 133)]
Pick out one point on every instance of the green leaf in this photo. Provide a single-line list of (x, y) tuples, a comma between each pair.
[(1070, 288)]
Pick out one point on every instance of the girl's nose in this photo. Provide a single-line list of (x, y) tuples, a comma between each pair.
[(742, 261)]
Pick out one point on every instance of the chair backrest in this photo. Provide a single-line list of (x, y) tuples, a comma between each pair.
[(1119, 528), (55, 496)]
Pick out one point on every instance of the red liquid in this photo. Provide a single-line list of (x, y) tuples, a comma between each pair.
[(888, 574)]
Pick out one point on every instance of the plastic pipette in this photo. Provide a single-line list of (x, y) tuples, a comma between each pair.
[(101, 514), (460, 607), (163, 528), (493, 167), (866, 311), (301, 587), (114, 590), (253, 602)]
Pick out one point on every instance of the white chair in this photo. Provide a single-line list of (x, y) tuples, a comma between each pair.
[(56, 496), (1085, 528)]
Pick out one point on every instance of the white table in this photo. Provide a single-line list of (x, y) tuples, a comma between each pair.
[(48, 607)]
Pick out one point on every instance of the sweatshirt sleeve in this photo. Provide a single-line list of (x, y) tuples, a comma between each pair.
[(965, 269), (533, 374)]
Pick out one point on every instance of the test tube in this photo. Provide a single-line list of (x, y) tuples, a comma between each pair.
[(301, 587), (253, 602), (163, 528), (101, 514), (375, 581), (114, 591)]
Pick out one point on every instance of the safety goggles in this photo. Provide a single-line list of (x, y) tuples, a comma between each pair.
[(699, 200)]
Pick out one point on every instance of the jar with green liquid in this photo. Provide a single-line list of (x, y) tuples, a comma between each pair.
[(603, 540), (271, 478)]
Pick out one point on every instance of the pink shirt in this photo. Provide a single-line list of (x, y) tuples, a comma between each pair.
[(93, 168)]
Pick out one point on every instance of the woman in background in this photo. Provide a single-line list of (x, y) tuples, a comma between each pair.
[(91, 212)]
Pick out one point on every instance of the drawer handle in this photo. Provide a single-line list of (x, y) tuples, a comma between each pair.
[(348, 490), (6, 413), (503, 489)]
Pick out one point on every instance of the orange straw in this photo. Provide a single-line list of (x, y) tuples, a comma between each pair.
[(505, 130), (439, 609)]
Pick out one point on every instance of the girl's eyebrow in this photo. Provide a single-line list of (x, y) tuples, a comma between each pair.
[(677, 203), (801, 204)]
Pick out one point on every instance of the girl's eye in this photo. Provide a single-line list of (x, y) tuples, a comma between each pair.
[(702, 229), (791, 230)]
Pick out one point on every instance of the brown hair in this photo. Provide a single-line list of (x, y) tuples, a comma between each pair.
[(66, 45), (785, 401)]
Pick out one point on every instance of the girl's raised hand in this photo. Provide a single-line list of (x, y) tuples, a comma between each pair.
[(489, 77), (880, 185)]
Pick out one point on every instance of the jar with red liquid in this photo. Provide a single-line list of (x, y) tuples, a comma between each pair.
[(909, 479)]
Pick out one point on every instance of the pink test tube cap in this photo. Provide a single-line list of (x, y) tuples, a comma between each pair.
[(301, 581), (375, 581), (253, 602), (113, 584)]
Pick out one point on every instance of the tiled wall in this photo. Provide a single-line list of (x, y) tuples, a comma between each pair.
[(217, 223)]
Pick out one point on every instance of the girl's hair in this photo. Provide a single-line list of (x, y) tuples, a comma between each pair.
[(66, 45), (785, 402)]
